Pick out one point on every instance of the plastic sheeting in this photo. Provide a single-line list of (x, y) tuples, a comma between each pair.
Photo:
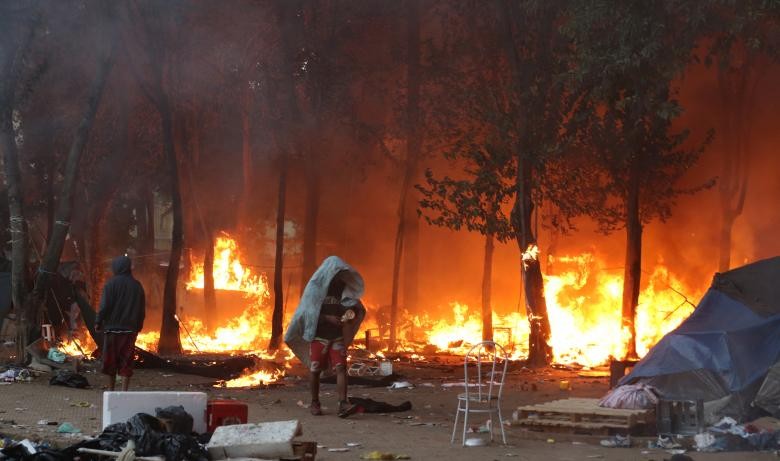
[(768, 397), (726, 346)]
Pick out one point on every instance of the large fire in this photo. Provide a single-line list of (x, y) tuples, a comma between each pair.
[(583, 302), (584, 307), (247, 333)]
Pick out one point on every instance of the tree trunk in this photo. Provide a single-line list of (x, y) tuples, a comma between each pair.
[(51, 258), (726, 227), (487, 276), (99, 197), (413, 145), (94, 260), (539, 350), (50, 203), (411, 252), (278, 315), (169, 332), (246, 159), (147, 242), (209, 295), (633, 267), (311, 218), (18, 224), (736, 107)]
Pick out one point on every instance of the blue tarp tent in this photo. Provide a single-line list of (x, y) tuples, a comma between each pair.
[(726, 347)]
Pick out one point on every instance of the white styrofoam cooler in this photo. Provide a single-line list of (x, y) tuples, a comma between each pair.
[(269, 440), (118, 407)]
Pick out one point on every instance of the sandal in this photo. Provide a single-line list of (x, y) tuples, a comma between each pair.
[(315, 408), (346, 409)]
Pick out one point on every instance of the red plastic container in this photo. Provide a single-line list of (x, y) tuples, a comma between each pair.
[(225, 413)]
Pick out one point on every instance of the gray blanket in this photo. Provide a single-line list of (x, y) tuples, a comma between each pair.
[(303, 326)]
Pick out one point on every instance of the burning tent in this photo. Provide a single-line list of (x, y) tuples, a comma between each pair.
[(723, 351)]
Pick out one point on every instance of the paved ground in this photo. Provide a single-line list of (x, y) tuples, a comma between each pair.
[(422, 433)]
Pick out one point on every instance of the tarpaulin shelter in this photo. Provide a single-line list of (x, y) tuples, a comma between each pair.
[(723, 351)]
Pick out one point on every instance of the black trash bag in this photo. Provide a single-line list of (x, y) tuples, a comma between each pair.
[(375, 406), (69, 379), (150, 440), (175, 419)]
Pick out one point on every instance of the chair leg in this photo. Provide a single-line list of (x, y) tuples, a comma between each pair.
[(491, 425), (455, 426), (501, 422), (465, 423)]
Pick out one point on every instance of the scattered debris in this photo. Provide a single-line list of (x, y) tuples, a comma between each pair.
[(618, 441), (378, 455), (401, 385), (68, 428)]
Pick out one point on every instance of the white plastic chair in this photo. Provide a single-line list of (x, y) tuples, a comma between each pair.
[(483, 386)]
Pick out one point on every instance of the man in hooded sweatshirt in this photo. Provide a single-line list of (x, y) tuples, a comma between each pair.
[(121, 317)]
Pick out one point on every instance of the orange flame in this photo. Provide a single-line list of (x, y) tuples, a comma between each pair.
[(584, 308), (250, 332)]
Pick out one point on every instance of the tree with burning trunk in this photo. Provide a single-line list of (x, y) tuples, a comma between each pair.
[(626, 117), (513, 103)]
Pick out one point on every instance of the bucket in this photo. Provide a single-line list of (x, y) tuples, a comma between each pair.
[(386, 368)]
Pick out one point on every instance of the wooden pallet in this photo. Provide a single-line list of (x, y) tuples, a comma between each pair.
[(581, 416)]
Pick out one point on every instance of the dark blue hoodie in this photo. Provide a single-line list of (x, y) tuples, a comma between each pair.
[(123, 304)]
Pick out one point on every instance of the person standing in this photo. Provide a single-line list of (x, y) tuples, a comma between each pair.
[(121, 317), (324, 324)]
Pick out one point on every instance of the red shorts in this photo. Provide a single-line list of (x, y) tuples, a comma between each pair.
[(118, 353), (325, 354)]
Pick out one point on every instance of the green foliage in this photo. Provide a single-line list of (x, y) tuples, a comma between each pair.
[(629, 58), (477, 203), (506, 86)]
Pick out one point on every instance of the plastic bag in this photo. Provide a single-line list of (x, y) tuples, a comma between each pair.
[(55, 355), (69, 379), (631, 396), (176, 419)]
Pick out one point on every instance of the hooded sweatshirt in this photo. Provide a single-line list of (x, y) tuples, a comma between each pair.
[(123, 303)]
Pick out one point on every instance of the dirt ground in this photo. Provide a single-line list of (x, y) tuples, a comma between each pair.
[(422, 433)]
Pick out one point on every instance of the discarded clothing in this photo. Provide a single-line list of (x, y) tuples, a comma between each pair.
[(374, 406), (69, 379), (15, 374), (303, 326)]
